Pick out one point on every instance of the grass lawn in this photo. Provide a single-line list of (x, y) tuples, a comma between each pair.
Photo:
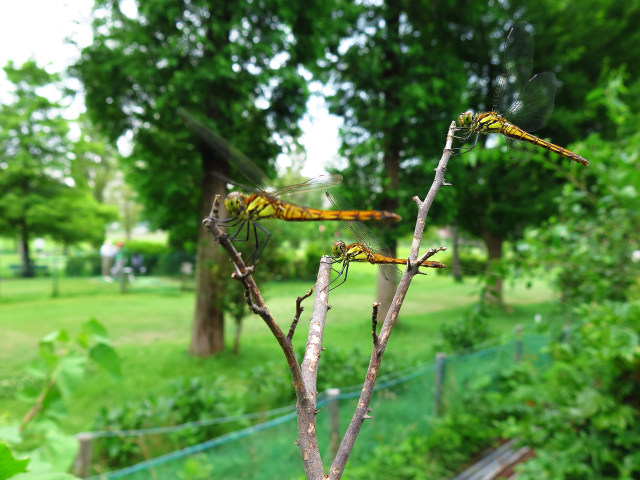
[(151, 327)]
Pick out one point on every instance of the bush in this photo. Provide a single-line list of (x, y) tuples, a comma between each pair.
[(152, 254), (467, 332), (86, 265), (170, 263), (586, 405)]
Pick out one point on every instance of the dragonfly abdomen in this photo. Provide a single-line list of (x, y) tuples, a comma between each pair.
[(293, 213), (510, 130)]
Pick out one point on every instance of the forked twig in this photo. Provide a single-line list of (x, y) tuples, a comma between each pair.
[(299, 310), (304, 375)]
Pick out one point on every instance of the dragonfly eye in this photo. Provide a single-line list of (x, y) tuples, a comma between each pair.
[(233, 203), (337, 249), (465, 118)]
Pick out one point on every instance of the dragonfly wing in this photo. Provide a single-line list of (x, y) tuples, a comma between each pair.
[(519, 150), (391, 273), (534, 105), (232, 155), (517, 64), (321, 182)]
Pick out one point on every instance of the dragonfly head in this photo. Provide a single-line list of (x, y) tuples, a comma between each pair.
[(338, 248), (465, 119), (235, 203)]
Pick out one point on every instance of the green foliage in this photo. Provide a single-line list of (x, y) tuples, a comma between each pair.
[(592, 239), (585, 406), (85, 265), (157, 257), (39, 192), (9, 465), (468, 427), (244, 53), (468, 332), (265, 387), (63, 365)]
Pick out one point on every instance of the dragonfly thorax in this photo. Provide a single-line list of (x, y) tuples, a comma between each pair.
[(465, 119), (338, 248), (235, 203)]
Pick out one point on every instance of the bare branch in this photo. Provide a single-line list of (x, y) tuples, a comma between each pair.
[(254, 297), (429, 253), (299, 310), (306, 407)]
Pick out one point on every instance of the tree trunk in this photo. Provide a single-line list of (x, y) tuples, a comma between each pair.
[(236, 338), (455, 254), (27, 266), (493, 241), (208, 323), (391, 156)]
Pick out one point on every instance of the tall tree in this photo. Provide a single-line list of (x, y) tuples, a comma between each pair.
[(233, 63), (394, 72), (499, 201), (39, 193)]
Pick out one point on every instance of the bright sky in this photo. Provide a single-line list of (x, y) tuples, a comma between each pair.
[(38, 28)]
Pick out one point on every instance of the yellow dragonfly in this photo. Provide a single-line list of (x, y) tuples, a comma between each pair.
[(359, 252), (368, 248), (246, 209), (522, 103)]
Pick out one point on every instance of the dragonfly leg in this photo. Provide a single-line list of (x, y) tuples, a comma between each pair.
[(345, 270), (255, 255), (234, 235), (459, 149)]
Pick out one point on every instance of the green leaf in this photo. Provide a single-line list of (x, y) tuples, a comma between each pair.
[(106, 357), (56, 453), (69, 374), (10, 433), (44, 476), (9, 465), (95, 329)]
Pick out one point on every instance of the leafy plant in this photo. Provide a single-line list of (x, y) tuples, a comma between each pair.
[(586, 405), (64, 362)]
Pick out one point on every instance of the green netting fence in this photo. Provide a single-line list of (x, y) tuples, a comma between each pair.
[(403, 403)]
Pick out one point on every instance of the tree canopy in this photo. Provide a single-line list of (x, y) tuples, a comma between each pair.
[(40, 195), (235, 65)]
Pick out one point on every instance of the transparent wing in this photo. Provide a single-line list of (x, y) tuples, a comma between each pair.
[(232, 155), (519, 150), (532, 109), (321, 182), (365, 236), (517, 64), (391, 272)]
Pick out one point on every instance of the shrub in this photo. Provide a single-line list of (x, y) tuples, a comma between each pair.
[(86, 265)]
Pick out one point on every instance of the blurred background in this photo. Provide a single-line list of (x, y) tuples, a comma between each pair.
[(116, 308)]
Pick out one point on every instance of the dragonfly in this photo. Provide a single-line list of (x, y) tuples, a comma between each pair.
[(368, 248), (246, 210), (521, 104)]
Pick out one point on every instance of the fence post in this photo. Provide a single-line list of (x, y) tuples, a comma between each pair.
[(334, 421), (82, 463), (518, 344), (441, 363)]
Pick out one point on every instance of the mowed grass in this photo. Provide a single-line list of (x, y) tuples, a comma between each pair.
[(151, 325)]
